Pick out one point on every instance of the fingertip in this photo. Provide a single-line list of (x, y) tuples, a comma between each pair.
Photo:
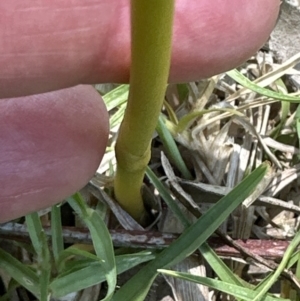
[(211, 37), (50, 146)]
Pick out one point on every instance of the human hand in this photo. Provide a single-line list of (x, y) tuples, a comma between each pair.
[(52, 143)]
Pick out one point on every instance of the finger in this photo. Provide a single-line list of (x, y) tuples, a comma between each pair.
[(50, 146), (47, 45)]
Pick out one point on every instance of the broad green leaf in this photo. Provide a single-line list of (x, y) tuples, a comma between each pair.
[(91, 273), (194, 236), (231, 289), (20, 272), (101, 240), (244, 81)]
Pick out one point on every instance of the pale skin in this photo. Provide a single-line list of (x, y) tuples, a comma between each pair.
[(52, 143)]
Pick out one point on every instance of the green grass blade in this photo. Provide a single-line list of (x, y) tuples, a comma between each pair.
[(20, 272), (293, 260), (231, 289), (56, 231), (12, 286), (75, 251), (118, 116), (101, 240), (91, 273), (39, 242), (35, 230), (189, 118), (244, 81), (170, 112), (297, 274), (116, 97), (285, 110), (137, 287), (287, 255), (171, 148), (220, 268), (167, 197)]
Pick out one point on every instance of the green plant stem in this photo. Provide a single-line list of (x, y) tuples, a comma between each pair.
[(152, 23)]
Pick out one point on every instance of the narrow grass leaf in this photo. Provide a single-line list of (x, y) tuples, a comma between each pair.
[(164, 193), (101, 240), (92, 273), (231, 289), (286, 257), (116, 97), (183, 92), (172, 115), (39, 242), (138, 286), (271, 76), (12, 286), (293, 259), (56, 232), (117, 117), (171, 148), (220, 268), (244, 81), (20, 272), (35, 230), (189, 118)]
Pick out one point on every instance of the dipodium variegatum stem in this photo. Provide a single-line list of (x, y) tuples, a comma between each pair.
[(151, 34)]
